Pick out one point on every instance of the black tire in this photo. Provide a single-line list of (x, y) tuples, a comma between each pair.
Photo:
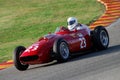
[(100, 38), (61, 50), (17, 52)]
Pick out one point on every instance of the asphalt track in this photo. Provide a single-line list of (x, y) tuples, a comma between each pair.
[(103, 65)]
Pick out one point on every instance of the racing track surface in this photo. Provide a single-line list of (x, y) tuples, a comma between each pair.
[(103, 65)]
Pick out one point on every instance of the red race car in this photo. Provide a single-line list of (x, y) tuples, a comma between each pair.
[(60, 46)]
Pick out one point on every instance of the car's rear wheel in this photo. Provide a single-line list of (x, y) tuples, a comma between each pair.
[(17, 52), (61, 50), (100, 38)]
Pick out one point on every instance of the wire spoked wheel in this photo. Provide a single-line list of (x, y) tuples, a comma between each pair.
[(61, 50)]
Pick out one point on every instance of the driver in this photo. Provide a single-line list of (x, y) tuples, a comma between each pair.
[(73, 24)]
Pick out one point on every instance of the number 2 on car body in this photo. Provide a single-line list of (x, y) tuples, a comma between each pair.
[(82, 42)]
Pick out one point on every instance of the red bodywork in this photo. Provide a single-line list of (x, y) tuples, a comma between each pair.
[(39, 52)]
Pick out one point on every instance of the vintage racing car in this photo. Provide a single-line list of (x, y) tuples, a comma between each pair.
[(60, 46)]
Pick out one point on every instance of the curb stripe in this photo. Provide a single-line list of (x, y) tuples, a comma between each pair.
[(102, 24), (7, 63), (113, 6), (106, 18), (111, 14)]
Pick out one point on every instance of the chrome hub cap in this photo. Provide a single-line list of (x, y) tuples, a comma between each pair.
[(104, 38), (64, 51)]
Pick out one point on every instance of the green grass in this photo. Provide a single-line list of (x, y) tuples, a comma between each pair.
[(22, 22)]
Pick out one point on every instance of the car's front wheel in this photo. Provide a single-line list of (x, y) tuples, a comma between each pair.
[(17, 52), (61, 50)]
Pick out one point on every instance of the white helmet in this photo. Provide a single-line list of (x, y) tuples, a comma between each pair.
[(72, 23)]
